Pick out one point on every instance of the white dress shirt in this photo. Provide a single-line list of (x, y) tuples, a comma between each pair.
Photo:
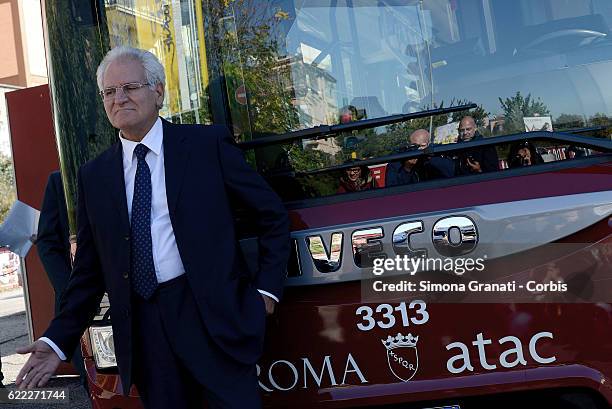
[(166, 258)]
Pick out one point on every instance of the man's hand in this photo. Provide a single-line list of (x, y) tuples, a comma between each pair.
[(474, 165), (40, 366), (270, 304)]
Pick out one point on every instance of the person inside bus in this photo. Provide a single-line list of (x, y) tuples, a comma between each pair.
[(355, 179), (523, 154), (186, 327), (475, 160), (572, 152), (414, 170)]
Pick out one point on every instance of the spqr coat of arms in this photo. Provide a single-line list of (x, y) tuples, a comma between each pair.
[(402, 355)]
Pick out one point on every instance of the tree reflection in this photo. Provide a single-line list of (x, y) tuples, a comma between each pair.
[(257, 75), (518, 107)]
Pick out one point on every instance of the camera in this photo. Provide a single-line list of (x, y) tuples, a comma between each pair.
[(407, 148), (520, 160)]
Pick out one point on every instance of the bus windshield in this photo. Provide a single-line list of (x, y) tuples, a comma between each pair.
[(270, 67)]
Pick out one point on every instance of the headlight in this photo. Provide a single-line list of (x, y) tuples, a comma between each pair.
[(103, 346)]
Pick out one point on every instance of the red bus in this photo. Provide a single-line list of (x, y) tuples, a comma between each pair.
[(312, 89)]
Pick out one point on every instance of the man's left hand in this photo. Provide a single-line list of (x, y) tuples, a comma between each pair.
[(270, 304), (474, 165)]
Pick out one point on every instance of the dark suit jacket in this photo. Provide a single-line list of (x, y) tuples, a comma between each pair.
[(486, 156), (204, 171), (52, 240)]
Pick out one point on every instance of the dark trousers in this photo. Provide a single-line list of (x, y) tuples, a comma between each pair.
[(176, 363)]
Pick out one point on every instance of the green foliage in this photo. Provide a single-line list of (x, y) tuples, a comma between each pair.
[(517, 107), (250, 56), (8, 195), (323, 184), (569, 121), (302, 160), (200, 115), (601, 119), (478, 113)]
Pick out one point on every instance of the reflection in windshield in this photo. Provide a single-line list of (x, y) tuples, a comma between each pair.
[(330, 62), (170, 31), (434, 166), (381, 57), (256, 70), (280, 66)]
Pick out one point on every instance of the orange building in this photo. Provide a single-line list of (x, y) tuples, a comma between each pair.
[(22, 52)]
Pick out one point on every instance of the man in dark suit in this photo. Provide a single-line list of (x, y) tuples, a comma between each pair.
[(475, 160), (53, 245), (156, 231), (411, 171)]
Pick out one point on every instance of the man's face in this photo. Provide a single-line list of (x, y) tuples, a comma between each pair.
[(421, 139), (467, 129), (133, 113), (353, 173)]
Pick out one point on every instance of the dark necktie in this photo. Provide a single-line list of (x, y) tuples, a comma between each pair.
[(144, 281)]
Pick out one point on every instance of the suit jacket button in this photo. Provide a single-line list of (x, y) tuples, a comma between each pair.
[(126, 275), (126, 237), (127, 312)]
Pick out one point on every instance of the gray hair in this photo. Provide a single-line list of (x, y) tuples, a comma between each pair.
[(154, 71)]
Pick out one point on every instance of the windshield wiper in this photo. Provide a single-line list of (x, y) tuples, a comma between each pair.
[(325, 131)]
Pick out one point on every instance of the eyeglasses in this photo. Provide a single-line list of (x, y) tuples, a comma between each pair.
[(110, 92)]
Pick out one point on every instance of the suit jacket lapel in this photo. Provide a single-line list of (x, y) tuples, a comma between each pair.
[(115, 182), (176, 154)]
